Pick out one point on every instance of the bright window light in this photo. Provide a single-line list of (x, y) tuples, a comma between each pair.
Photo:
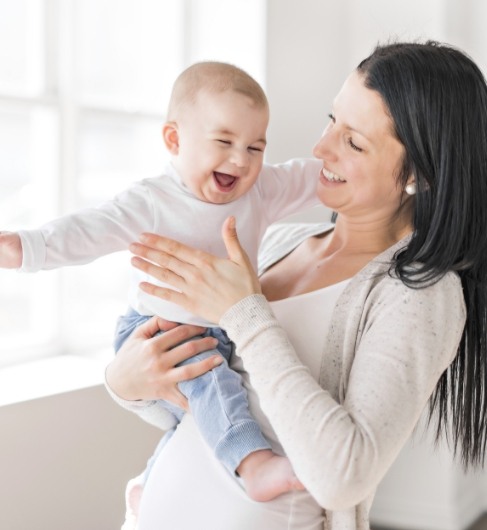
[(84, 85)]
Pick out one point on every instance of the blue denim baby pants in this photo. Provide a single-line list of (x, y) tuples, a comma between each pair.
[(217, 399)]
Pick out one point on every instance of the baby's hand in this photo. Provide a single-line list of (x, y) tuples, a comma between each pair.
[(10, 250)]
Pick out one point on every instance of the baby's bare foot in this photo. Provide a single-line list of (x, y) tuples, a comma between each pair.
[(267, 475)]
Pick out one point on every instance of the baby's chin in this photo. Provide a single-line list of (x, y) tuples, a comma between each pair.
[(216, 196), (219, 199)]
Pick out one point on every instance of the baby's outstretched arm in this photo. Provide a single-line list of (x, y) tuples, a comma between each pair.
[(10, 250)]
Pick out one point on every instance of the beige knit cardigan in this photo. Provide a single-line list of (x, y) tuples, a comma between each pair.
[(386, 348)]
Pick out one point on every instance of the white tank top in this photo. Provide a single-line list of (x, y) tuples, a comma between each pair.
[(188, 488)]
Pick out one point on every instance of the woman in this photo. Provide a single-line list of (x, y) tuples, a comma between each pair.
[(377, 316)]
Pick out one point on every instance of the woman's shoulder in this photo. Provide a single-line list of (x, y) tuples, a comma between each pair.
[(378, 291), (443, 296), (449, 282), (282, 238)]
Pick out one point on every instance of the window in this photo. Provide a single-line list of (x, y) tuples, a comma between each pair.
[(83, 89)]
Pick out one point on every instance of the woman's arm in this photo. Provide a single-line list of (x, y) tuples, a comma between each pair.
[(340, 446)]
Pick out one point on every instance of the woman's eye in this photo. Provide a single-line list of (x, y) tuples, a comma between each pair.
[(258, 149), (226, 142), (353, 146), (332, 117)]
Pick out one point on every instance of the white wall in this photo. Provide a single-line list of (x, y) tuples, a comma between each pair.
[(426, 490), (313, 45), (65, 459)]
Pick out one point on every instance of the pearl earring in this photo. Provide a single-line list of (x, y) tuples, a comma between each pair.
[(410, 189)]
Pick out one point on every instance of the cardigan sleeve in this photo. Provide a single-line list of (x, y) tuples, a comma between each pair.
[(340, 447), (150, 411)]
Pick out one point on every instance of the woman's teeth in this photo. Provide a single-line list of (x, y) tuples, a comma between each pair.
[(331, 176)]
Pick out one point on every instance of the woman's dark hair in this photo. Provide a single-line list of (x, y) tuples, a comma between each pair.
[(437, 99)]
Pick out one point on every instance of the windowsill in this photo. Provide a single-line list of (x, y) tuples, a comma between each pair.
[(50, 376)]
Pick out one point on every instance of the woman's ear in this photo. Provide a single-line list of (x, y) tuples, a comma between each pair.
[(170, 136)]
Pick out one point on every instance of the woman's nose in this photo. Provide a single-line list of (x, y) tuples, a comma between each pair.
[(325, 147)]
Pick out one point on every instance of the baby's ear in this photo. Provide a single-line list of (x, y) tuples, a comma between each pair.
[(170, 136)]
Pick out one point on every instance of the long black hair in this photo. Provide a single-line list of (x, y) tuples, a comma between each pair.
[(437, 99)]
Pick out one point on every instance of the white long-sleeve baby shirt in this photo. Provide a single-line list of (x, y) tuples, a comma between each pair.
[(165, 206)]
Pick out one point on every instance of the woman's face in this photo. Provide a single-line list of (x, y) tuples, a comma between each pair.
[(361, 155)]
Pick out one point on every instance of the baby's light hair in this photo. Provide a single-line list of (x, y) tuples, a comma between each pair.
[(214, 77)]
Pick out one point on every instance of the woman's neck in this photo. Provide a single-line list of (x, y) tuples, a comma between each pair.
[(333, 256), (368, 236)]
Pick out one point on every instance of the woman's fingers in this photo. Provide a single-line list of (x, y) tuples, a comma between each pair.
[(190, 371), (167, 270), (151, 327), (171, 254), (193, 370), (169, 249), (175, 335), (160, 272), (176, 397), (170, 295), (199, 282), (173, 355), (172, 352), (236, 253), (229, 233), (178, 345), (145, 367)]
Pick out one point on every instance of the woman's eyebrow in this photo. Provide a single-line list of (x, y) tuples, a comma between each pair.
[(358, 131), (350, 128)]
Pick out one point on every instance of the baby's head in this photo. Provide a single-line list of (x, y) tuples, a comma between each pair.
[(216, 130)]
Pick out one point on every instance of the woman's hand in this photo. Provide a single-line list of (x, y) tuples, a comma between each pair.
[(206, 285), (145, 366)]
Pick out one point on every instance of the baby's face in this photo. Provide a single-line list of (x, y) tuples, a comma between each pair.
[(222, 138)]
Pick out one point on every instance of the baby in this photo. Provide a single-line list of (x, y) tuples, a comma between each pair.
[(216, 136)]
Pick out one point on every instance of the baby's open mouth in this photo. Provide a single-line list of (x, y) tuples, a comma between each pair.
[(224, 182)]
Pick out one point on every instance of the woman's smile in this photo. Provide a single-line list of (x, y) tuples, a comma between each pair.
[(332, 177)]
